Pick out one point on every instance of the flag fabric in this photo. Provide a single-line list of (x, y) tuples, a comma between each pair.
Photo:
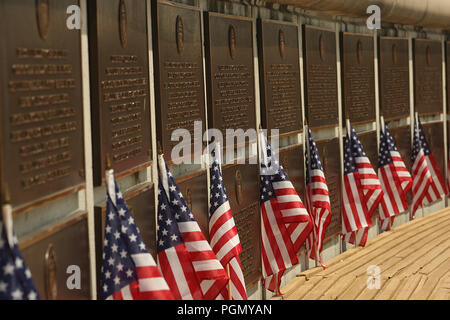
[(362, 191), (395, 179), (185, 257), (129, 271), (16, 282), (285, 222), (428, 182), (223, 233), (317, 199)]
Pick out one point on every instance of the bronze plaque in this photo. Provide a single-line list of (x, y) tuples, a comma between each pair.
[(194, 189), (434, 133), (280, 76), (428, 76), (293, 161), (141, 203), (119, 85), (321, 94), (330, 158), (42, 144), (370, 146), (49, 254), (358, 77), (394, 78), (242, 185), (402, 139), (179, 82), (230, 72)]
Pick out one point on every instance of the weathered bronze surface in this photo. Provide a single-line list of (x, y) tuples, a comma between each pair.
[(179, 85), (330, 158), (293, 161), (428, 76), (42, 145), (434, 133), (279, 76), (141, 203), (402, 139), (195, 191), (321, 97), (243, 194), (49, 254), (119, 85), (230, 72), (394, 77), (358, 77)]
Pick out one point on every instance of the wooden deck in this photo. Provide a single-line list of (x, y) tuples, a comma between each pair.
[(414, 260)]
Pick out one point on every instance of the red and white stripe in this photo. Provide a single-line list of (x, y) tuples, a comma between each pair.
[(193, 270), (285, 225), (396, 181), (227, 247), (318, 204)]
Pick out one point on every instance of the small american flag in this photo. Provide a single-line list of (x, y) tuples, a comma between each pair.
[(185, 257), (362, 190), (394, 177), (317, 199), (285, 223), (15, 278), (223, 232), (129, 271), (428, 183)]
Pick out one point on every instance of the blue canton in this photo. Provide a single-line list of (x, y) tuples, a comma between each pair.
[(419, 142), (353, 150), (271, 172), (122, 239)]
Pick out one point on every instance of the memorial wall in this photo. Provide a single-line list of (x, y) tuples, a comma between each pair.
[(110, 95)]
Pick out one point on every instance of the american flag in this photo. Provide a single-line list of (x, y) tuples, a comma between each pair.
[(428, 183), (223, 233), (317, 199), (394, 177), (362, 190), (185, 257), (15, 278), (285, 222), (129, 271)]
